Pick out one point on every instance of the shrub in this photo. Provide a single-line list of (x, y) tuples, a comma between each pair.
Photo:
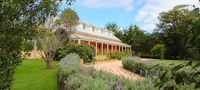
[(129, 52), (144, 68), (85, 51), (171, 77), (180, 76), (119, 55), (73, 76), (158, 51)]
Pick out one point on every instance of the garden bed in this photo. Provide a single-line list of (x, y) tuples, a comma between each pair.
[(165, 75), (73, 76)]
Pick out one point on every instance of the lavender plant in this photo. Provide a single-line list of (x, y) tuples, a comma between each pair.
[(73, 76)]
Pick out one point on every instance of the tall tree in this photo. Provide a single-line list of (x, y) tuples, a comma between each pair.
[(112, 26), (116, 29), (135, 37), (174, 28), (69, 19), (17, 21), (194, 37)]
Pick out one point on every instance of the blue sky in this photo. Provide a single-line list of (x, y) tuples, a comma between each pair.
[(143, 13)]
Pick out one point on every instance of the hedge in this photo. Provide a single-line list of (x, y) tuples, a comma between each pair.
[(74, 76), (144, 68), (155, 71), (119, 55)]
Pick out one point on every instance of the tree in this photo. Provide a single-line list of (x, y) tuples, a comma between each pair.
[(174, 28), (140, 41), (135, 37), (158, 50), (49, 41), (112, 26), (194, 37), (69, 19), (18, 19), (116, 29)]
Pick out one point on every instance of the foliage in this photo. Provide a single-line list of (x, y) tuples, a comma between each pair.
[(69, 19), (112, 26), (179, 77), (49, 42), (27, 46), (144, 68), (128, 52), (18, 19), (140, 41), (85, 51), (174, 29), (166, 77), (116, 55), (135, 37), (73, 76), (194, 37), (158, 50), (119, 55), (31, 75)]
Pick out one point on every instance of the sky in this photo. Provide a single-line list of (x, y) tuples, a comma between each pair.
[(143, 13)]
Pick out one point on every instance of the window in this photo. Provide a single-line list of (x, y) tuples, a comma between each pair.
[(93, 29), (84, 26)]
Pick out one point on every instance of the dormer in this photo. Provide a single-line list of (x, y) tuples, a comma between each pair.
[(84, 26)]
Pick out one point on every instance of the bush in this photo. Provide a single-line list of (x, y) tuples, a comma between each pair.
[(115, 55), (73, 76), (178, 76), (158, 51), (129, 52), (144, 68), (85, 51), (119, 55)]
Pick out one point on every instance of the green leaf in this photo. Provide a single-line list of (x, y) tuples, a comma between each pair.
[(169, 88), (197, 85), (189, 63), (195, 30), (159, 84), (196, 74), (162, 77), (194, 13), (190, 38), (180, 6), (178, 67)]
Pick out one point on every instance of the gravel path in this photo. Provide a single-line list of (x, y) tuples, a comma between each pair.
[(115, 67)]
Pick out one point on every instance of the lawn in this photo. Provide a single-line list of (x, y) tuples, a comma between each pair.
[(31, 75), (175, 61)]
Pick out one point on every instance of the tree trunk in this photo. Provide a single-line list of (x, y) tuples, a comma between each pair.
[(49, 66)]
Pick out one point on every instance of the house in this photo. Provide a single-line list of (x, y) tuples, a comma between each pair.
[(103, 39)]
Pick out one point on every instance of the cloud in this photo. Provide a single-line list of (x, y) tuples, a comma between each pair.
[(149, 12), (107, 4)]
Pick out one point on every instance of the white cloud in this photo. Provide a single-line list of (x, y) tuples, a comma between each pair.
[(149, 12), (107, 4)]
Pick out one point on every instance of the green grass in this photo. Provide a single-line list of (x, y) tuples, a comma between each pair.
[(32, 76), (175, 61)]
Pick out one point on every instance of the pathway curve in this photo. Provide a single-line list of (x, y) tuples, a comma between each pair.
[(115, 67)]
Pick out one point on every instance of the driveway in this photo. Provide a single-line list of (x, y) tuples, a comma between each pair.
[(115, 67)]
